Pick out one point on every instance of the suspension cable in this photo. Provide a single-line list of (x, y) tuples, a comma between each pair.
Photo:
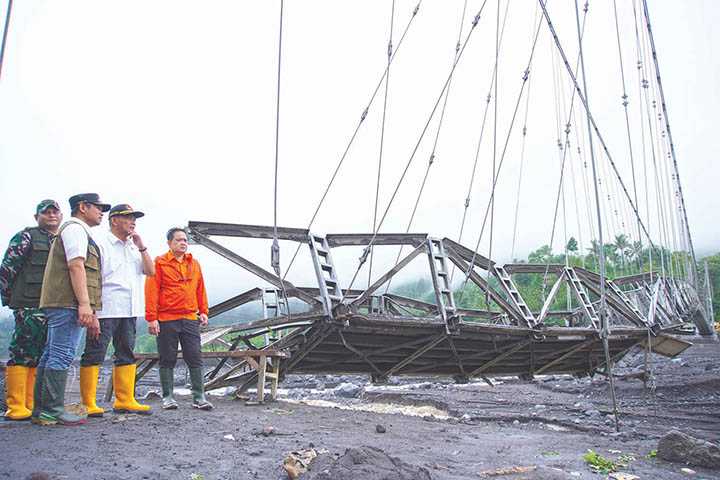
[(431, 159), (355, 132), (562, 150), (365, 253), (672, 145), (526, 75), (594, 126), (642, 83), (6, 29), (494, 158), (471, 182), (625, 108), (382, 132), (605, 327), (520, 172), (275, 248)]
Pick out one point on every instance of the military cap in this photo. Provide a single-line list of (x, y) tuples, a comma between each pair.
[(45, 204), (124, 209)]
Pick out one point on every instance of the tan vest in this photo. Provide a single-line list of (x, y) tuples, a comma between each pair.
[(57, 290)]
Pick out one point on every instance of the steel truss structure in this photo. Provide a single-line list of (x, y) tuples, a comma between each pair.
[(383, 334)]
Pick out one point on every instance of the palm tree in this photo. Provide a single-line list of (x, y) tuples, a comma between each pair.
[(622, 246)]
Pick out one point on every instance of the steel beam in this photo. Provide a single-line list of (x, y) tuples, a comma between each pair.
[(253, 268), (387, 276), (480, 282), (248, 231), (361, 239)]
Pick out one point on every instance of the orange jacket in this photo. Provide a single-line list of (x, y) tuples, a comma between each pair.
[(177, 291)]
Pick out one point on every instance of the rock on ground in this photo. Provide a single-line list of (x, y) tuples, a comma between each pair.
[(368, 463), (682, 448)]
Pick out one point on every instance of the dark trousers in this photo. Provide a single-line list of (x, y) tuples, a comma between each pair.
[(187, 332), (122, 333)]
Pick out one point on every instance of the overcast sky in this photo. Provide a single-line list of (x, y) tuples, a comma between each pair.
[(170, 106)]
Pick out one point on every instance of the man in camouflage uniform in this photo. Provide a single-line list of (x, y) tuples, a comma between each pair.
[(21, 276)]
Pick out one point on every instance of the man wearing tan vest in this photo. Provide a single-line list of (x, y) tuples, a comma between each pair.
[(71, 294)]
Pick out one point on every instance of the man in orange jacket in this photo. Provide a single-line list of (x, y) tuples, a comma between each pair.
[(175, 308)]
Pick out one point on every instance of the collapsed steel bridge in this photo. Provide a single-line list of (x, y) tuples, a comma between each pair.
[(367, 331)]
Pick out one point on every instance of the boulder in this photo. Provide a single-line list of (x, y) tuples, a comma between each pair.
[(347, 390), (679, 447), (368, 463)]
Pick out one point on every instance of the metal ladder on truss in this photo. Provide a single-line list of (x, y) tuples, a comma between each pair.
[(514, 294), (325, 272), (274, 305), (626, 300), (441, 283), (583, 297)]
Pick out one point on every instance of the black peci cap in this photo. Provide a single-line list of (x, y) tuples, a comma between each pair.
[(93, 198)]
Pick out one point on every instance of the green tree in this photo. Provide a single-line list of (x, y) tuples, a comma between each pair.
[(572, 245)]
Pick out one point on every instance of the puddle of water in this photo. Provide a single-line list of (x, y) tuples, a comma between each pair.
[(389, 408)]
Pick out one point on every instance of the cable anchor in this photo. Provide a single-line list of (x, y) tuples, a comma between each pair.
[(275, 256)]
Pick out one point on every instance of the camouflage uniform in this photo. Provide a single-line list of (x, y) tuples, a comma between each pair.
[(28, 340)]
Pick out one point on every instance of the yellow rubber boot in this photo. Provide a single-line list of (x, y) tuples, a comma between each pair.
[(88, 390), (124, 385), (30, 388), (15, 382)]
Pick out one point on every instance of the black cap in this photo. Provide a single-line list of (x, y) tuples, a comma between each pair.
[(124, 209), (93, 198), (45, 204)]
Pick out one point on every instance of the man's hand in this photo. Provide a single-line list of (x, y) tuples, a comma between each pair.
[(154, 327), (93, 330), (85, 315), (137, 240), (203, 319)]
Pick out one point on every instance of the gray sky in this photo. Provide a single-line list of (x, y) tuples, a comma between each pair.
[(170, 106)]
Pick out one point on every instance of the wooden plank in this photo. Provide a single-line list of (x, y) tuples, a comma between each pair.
[(275, 379), (418, 353), (261, 379), (564, 356), (500, 357), (225, 354)]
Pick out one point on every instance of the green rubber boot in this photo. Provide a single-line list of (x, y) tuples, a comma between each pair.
[(37, 392), (167, 379), (198, 390), (52, 400)]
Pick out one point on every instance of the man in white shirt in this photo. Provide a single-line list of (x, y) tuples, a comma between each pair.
[(125, 261)]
